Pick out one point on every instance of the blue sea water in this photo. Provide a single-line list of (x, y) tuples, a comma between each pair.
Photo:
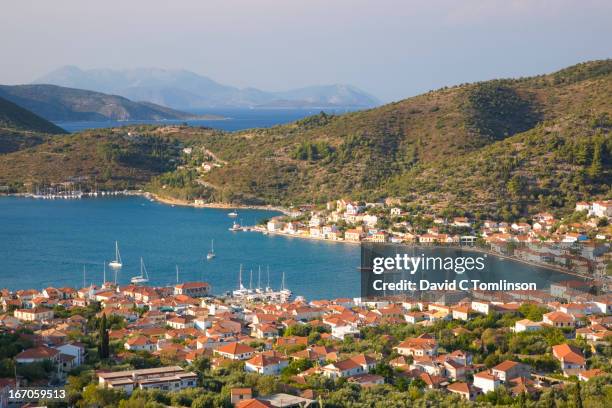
[(50, 242), (236, 119)]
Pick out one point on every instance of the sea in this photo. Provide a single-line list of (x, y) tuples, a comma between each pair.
[(68, 243), (235, 119)]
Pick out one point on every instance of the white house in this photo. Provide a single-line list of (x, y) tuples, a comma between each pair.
[(266, 365), (486, 381)]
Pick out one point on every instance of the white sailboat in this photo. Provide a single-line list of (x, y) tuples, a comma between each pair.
[(241, 291), (235, 227), (116, 263), (232, 214), (284, 290), (143, 277), (211, 254)]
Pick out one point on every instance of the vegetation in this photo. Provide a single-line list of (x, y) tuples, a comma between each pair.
[(503, 149)]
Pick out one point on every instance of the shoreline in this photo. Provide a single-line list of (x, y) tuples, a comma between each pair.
[(175, 201), (184, 203), (551, 268), (225, 206)]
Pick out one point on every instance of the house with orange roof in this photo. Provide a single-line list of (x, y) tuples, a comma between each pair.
[(265, 364), (558, 319), (181, 322), (139, 343), (424, 345), (254, 403), (465, 390), (571, 358), (192, 289), (235, 351), (350, 367), (588, 374), (509, 369), (38, 354), (240, 394), (264, 331)]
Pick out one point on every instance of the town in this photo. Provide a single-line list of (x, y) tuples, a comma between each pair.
[(579, 243), (180, 345)]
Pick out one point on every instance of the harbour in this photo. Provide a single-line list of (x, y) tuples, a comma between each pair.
[(65, 242)]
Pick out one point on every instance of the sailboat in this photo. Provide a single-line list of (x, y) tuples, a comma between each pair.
[(235, 227), (232, 214), (284, 290), (241, 291), (211, 254), (117, 262), (143, 277)]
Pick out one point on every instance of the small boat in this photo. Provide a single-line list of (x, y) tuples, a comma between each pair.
[(232, 214), (117, 262), (211, 254), (143, 277), (235, 227)]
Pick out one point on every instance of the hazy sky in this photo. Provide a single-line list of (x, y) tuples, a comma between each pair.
[(391, 48)]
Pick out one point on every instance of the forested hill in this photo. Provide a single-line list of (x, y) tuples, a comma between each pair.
[(57, 103), (500, 148), (20, 128), (14, 117), (496, 147)]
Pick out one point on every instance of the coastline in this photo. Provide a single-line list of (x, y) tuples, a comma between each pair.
[(552, 268), (184, 203), (226, 206)]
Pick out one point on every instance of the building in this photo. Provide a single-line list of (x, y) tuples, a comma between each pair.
[(37, 314), (192, 289), (275, 226), (526, 325), (353, 235), (172, 378), (508, 370), (463, 389), (240, 394), (354, 366), (140, 343), (421, 346), (571, 359), (266, 365), (486, 381), (558, 319), (181, 322), (235, 351), (75, 350), (38, 354)]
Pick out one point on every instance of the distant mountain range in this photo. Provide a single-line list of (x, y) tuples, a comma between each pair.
[(59, 104), (181, 89)]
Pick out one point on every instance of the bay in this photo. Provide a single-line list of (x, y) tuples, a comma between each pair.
[(50, 242), (236, 119)]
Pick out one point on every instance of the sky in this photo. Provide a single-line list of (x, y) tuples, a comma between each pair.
[(390, 48)]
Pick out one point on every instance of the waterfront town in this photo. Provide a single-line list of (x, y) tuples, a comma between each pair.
[(579, 243), (183, 346)]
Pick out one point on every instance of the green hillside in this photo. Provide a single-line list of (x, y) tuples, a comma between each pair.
[(20, 128), (13, 116), (449, 147), (501, 148), (67, 104)]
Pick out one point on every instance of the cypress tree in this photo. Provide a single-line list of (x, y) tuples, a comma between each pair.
[(103, 348)]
